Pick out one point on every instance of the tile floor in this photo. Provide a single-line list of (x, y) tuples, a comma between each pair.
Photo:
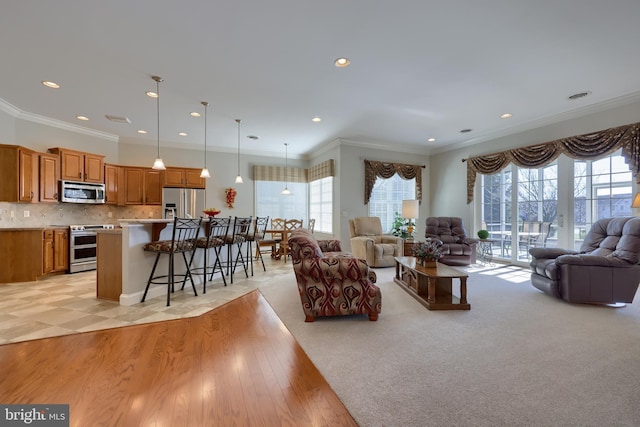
[(67, 304)]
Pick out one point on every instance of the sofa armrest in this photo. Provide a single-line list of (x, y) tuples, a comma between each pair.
[(470, 241), (394, 240), (337, 269), (330, 245), (549, 253), (592, 261)]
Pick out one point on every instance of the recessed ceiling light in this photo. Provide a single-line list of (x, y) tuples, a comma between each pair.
[(342, 62), (316, 119), (52, 85), (151, 94), (142, 131), (183, 133), (579, 95), (465, 130), (194, 114), (505, 115), (253, 137), (85, 118), (431, 139)]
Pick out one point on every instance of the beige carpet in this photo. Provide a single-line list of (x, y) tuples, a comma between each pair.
[(518, 358)]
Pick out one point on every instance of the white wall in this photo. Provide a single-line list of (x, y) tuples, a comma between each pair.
[(7, 128)]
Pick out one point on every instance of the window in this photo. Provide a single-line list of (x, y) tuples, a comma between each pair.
[(321, 204), (387, 196), (595, 189), (271, 202), (602, 189)]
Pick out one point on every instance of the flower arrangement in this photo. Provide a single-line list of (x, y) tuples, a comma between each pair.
[(431, 250)]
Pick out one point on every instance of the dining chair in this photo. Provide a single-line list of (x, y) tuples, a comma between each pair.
[(216, 230), (289, 225), (183, 241), (312, 224)]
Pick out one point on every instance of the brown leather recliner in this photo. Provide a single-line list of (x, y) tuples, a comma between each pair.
[(457, 247), (605, 270)]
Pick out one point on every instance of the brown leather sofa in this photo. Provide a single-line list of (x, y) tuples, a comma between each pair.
[(605, 270), (457, 247)]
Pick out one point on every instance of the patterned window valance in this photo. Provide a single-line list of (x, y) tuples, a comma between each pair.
[(589, 146), (321, 170), (374, 169), (279, 173)]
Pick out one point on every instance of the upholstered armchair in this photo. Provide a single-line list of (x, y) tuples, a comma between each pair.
[(368, 242), (605, 270), (457, 247), (332, 282)]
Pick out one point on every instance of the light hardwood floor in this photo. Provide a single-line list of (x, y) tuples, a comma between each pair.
[(235, 365)]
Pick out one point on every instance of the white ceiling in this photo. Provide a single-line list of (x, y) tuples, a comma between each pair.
[(419, 68)]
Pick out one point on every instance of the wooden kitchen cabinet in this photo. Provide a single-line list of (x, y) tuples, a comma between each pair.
[(55, 250), (152, 187), (133, 185), (49, 175), (143, 186), (19, 174), (17, 250), (114, 185), (183, 178), (80, 166)]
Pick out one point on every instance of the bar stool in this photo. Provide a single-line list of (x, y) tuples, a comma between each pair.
[(239, 232), (216, 229), (183, 241), (257, 235)]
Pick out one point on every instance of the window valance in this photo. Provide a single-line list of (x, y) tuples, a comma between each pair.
[(374, 169), (588, 146), (287, 174), (279, 173), (321, 170)]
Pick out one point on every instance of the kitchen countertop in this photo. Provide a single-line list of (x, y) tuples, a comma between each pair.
[(145, 221)]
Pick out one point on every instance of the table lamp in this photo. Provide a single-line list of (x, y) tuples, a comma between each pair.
[(636, 201), (410, 211)]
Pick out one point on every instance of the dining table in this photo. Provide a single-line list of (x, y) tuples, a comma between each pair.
[(280, 235)]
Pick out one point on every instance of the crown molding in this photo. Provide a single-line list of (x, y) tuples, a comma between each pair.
[(35, 118), (386, 146)]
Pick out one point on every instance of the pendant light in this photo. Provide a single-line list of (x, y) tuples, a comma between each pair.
[(158, 164), (239, 178), (205, 172), (286, 190)]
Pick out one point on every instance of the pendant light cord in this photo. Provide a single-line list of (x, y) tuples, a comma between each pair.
[(158, 112)]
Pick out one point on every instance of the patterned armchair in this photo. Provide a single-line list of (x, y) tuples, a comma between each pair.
[(332, 282)]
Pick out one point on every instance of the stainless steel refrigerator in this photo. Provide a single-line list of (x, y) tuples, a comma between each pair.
[(183, 202)]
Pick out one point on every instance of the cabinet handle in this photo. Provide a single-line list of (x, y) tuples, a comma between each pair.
[(32, 195), (80, 175)]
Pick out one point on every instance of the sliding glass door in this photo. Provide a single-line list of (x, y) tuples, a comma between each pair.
[(554, 205)]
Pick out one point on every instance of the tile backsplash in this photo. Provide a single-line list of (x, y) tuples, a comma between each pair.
[(27, 215)]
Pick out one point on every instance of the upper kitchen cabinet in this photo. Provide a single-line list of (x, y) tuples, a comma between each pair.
[(19, 168), (183, 178), (80, 166), (143, 186), (114, 184), (49, 176)]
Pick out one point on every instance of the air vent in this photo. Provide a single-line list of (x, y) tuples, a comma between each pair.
[(119, 119), (579, 95), (465, 130), (254, 137)]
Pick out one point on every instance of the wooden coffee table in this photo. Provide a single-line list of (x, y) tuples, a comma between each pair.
[(432, 287)]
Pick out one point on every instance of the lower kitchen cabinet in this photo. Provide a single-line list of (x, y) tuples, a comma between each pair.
[(17, 249), (109, 265), (55, 250)]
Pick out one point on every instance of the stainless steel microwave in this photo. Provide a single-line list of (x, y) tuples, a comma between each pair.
[(81, 192)]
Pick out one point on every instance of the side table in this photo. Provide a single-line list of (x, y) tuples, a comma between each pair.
[(485, 250), (408, 247)]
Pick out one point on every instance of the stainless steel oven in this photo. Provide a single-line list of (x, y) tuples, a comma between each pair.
[(83, 247)]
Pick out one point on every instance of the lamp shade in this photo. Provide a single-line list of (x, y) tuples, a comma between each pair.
[(636, 201), (410, 209)]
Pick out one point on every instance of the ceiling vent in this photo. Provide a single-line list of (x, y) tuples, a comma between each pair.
[(118, 119)]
